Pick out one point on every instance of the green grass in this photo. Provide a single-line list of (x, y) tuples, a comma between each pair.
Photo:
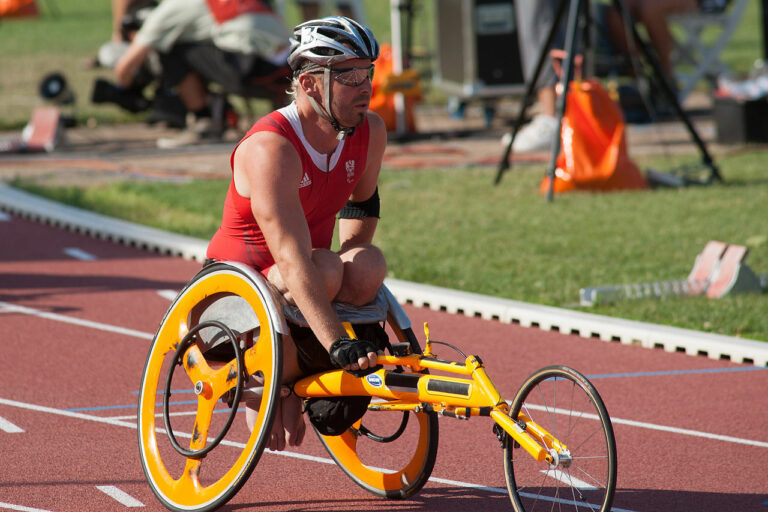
[(452, 228), (31, 48)]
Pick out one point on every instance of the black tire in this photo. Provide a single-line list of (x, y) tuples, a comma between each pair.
[(565, 404)]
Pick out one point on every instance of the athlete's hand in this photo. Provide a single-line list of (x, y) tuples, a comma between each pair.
[(358, 357)]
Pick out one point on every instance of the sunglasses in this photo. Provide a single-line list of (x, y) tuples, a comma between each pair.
[(350, 76)]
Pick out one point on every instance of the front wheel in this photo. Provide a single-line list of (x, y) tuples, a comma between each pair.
[(582, 475)]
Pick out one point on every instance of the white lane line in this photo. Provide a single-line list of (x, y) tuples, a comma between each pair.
[(76, 321), (79, 254), (69, 414), (120, 496), (168, 294), (653, 426), (293, 455), (11, 506), (4, 217), (569, 480), (8, 427)]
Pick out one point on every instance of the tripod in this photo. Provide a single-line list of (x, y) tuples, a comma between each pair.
[(577, 17)]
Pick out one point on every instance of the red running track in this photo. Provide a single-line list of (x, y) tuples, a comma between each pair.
[(692, 433)]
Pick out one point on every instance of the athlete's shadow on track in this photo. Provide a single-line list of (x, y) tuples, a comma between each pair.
[(55, 284), (444, 500), (461, 500)]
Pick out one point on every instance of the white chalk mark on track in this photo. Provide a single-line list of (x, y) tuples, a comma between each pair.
[(11, 506), (120, 496), (79, 254), (8, 427), (168, 294), (311, 458), (12, 308)]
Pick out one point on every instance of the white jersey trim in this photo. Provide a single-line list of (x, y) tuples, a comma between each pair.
[(291, 113)]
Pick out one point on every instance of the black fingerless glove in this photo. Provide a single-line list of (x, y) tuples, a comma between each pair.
[(345, 351)]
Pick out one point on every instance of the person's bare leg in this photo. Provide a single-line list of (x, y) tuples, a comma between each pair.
[(653, 14), (328, 264), (288, 428), (546, 97), (192, 92), (364, 271)]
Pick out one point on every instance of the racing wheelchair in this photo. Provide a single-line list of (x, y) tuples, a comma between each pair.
[(223, 330)]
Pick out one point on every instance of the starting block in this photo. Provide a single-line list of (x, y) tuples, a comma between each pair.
[(42, 133), (732, 275), (718, 271)]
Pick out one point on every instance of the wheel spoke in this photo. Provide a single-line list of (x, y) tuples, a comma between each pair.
[(555, 485)]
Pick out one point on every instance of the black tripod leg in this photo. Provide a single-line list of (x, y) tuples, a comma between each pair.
[(504, 163), (570, 50), (671, 96)]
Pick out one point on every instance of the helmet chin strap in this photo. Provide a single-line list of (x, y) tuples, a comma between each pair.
[(325, 110)]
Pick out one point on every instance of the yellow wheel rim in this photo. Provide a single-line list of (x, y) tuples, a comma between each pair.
[(343, 448), (185, 490)]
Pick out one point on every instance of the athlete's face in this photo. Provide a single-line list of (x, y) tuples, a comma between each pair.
[(351, 91)]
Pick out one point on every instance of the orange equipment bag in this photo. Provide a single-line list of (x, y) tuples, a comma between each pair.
[(386, 83), (594, 151), (18, 8)]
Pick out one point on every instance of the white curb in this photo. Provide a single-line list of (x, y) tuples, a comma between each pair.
[(671, 339)]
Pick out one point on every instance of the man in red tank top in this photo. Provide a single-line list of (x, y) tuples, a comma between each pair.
[(294, 171)]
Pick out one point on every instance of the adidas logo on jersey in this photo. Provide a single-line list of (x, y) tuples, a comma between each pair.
[(305, 181)]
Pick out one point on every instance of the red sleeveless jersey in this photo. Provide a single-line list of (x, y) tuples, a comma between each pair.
[(323, 193), (225, 10)]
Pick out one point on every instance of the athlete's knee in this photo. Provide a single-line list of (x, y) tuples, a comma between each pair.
[(364, 271), (331, 269)]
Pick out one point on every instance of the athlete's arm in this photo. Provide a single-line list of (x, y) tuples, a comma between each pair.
[(127, 66), (272, 169), (354, 232)]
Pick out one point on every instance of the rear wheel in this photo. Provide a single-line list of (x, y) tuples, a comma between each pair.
[(390, 454), (582, 475), (200, 454)]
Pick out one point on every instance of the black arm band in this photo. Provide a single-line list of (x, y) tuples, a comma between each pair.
[(368, 208)]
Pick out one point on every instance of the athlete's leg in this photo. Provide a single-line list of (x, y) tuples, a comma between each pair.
[(364, 271), (288, 427), (328, 264)]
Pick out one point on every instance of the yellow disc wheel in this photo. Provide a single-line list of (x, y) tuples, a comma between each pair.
[(195, 447), (390, 454)]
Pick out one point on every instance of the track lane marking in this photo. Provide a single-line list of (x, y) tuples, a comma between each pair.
[(8, 427), (675, 372), (653, 426), (21, 508), (120, 496), (294, 455), (79, 254), (168, 294), (13, 308)]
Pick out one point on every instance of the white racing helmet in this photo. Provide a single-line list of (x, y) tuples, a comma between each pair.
[(330, 40), (327, 41)]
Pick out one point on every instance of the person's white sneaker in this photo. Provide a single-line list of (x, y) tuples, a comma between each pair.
[(537, 135), (201, 131)]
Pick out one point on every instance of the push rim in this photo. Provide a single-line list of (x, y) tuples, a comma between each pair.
[(181, 488)]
